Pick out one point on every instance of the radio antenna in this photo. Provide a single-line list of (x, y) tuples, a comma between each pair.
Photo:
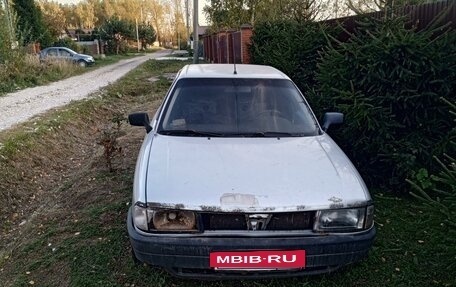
[(234, 59)]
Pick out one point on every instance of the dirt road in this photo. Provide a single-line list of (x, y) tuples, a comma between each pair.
[(22, 105)]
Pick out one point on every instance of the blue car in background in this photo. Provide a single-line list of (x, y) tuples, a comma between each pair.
[(66, 54)]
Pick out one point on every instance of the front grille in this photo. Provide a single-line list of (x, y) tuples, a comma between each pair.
[(239, 221), (199, 273), (290, 221), (224, 221)]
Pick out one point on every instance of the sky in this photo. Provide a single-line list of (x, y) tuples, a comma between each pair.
[(201, 3)]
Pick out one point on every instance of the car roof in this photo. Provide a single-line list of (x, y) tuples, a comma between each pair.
[(65, 48), (55, 48), (227, 71)]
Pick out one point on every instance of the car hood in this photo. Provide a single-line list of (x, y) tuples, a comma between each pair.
[(251, 174), (83, 56)]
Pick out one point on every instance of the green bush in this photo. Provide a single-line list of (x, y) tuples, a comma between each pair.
[(290, 47), (69, 43), (116, 32), (439, 190), (111, 47), (23, 70), (388, 81)]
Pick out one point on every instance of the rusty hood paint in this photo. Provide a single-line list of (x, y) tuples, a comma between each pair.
[(251, 174)]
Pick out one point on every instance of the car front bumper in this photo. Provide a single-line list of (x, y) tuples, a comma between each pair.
[(189, 256), (90, 63)]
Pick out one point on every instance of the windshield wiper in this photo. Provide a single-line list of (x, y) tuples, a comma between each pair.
[(270, 134), (193, 133)]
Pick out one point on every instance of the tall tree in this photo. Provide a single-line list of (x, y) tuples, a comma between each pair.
[(303, 10), (177, 21), (107, 10), (156, 11), (5, 39), (233, 13), (362, 6), (30, 23), (166, 16), (116, 31), (85, 14), (53, 17), (7, 31), (146, 34), (71, 19)]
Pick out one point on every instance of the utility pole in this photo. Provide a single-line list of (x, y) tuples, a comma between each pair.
[(137, 33), (195, 32), (187, 15)]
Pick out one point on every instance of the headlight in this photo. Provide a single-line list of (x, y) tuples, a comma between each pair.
[(174, 220), (141, 217), (343, 220), (163, 220)]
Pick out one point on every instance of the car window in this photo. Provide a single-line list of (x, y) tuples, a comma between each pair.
[(64, 53), (52, 52), (237, 107)]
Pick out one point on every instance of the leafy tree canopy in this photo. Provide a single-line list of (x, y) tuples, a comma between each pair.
[(147, 35), (31, 27), (116, 31)]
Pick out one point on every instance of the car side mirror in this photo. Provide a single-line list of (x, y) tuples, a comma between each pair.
[(332, 119), (140, 120)]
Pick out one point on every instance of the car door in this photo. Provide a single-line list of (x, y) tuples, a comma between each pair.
[(65, 55), (52, 54)]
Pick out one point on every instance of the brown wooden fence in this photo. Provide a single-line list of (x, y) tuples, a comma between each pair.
[(228, 46), (419, 16)]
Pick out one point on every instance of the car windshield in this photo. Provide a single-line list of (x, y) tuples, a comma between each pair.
[(237, 107), (70, 51)]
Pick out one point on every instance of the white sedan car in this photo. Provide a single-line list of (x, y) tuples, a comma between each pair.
[(236, 178)]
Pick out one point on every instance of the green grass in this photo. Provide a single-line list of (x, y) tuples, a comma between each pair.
[(25, 71), (91, 244), (409, 250)]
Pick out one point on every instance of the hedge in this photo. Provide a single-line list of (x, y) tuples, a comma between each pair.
[(387, 79)]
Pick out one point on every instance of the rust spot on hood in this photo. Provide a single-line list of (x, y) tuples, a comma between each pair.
[(335, 199), (239, 199), (300, 207), (336, 203)]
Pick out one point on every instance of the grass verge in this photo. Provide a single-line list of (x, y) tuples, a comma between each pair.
[(25, 71), (78, 235)]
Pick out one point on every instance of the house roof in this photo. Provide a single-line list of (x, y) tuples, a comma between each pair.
[(202, 30)]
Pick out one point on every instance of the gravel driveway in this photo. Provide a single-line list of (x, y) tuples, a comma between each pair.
[(22, 105)]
